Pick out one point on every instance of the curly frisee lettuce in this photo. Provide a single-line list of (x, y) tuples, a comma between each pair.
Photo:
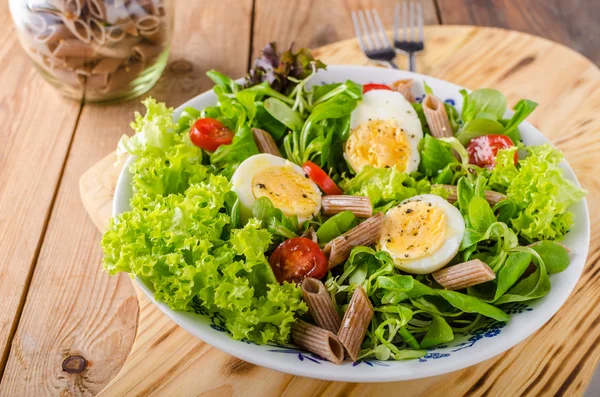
[(179, 238)]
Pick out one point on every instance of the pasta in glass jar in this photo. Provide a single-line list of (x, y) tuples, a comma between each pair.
[(97, 50)]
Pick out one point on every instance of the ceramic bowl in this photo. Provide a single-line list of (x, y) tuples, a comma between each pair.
[(467, 349)]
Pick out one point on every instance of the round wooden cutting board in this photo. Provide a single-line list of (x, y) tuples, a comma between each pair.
[(556, 360)]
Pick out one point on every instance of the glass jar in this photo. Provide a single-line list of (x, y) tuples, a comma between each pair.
[(98, 50)]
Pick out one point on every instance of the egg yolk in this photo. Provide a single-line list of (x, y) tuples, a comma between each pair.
[(379, 143), (288, 190), (414, 229)]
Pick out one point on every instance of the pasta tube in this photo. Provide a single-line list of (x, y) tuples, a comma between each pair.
[(367, 233), (320, 305), (318, 340), (437, 117), (359, 205), (464, 275), (356, 322)]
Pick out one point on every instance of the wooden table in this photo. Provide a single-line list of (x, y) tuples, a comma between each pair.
[(57, 306)]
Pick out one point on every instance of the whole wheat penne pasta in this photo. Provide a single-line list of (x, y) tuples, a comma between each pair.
[(359, 205), (404, 87), (320, 305), (367, 233), (156, 35), (492, 197), (265, 142), (107, 65), (130, 28), (115, 34), (97, 8), (318, 340), (98, 31), (120, 79), (147, 22), (120, 49), (73, 63), (79, 28), (356, 322), (72, 8), (160, 11), (464, 275), (310, 234), (53, 34), (146, 52), (437, 117), (73, 48)]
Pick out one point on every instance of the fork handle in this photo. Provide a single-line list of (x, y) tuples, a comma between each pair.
[(412, 62), (392, 65)]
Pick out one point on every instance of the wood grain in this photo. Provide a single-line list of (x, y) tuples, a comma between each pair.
[(570, 22), (557, 360), (314, 23), (32, 155), (73, 307)]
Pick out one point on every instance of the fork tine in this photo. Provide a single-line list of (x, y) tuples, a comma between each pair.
[(381, 29), (358, 32), (420, 21), (374, 33), (365, 28), (405, 20), (413, 21), (397, 22)]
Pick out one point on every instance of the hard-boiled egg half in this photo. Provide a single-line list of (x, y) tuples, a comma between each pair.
[(385, 132), (422, 234), (286, 184)]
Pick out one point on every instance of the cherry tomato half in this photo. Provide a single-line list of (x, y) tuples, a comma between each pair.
[(321, 178), (297, 258), (369, 87), (209, 134), (483, 149)]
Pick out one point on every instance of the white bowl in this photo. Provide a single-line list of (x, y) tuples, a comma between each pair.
[(465, 350)]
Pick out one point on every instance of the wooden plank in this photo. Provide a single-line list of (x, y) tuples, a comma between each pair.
[(73, 307), (37, 126), (557, 360), (316, 23), (570, 22)]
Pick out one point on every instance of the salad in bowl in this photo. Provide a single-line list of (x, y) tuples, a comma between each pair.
[(347, 215)]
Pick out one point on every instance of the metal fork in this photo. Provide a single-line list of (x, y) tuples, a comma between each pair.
[(412, 40), (371, 37)]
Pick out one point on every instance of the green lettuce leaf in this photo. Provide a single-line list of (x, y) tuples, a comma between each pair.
[(539, 190), (384, 186), (274, 220), (435, 156), (336, 226)]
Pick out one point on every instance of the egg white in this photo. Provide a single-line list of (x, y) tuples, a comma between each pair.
[(243, 177), (455, 229), (389, 106)]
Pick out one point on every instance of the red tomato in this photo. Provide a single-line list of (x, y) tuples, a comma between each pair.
[(297, 258), (321, 178), (209, 134), (369, 87), (483, 149)]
